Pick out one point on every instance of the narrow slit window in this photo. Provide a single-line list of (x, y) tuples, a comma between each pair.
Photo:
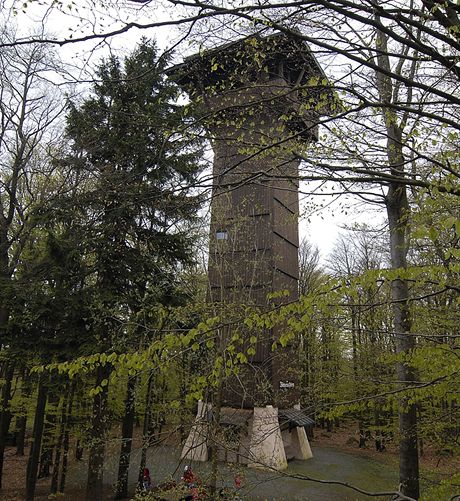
[(221, 235)]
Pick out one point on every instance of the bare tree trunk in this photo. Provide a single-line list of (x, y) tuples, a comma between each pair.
[(398, 211), (48, 445), (379, 435), (60, 440), (78, 450), (5, 414), (34, 454), (21, 423), (21, 420), (127, 440), (354, 338), (408, 448), (146, 427), (217, 403), (66, 440), (94, 486)]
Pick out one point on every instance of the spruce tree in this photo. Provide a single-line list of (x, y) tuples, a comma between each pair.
[(134, 211)]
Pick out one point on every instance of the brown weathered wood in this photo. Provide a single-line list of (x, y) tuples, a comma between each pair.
[(254, 238)]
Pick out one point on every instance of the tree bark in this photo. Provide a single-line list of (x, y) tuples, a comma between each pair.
[(127, 440), (94, 486), (397, 207), (60, 440), (5, 414), (21, 420), (217, 403), (405, 343), (78, 450), (48, 445), (146, 427), (34, 454), (66, 440)]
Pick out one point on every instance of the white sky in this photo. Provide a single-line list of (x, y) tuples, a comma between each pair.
[(320, 227)]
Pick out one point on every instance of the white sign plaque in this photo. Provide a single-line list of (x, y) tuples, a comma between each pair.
[(287, 384)]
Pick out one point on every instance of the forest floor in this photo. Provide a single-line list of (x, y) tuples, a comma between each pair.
[(435, 464), (336, 457), (346, 439)]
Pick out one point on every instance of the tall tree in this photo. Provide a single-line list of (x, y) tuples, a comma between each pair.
[(30, 106), (397, 207), (133, 218), (310, 272)]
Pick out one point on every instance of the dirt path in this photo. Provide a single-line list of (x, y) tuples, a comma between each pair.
[(328, 464), (336, 458)]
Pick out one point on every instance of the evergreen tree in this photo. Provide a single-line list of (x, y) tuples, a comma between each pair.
[(134, 213), (140, 170)]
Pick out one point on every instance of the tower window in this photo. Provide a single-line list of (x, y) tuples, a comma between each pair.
[(221, 235)]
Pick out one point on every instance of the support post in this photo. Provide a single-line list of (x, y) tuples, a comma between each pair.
[(266, 449), (196, 445)]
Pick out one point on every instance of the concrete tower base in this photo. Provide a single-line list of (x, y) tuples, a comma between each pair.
[(296, 444), (262, 446), (196, 445), (266, 448)]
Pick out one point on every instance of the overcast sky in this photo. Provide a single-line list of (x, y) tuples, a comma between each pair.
[(321, 227)]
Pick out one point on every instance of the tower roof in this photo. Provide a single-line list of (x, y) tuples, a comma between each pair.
[(250, 59)]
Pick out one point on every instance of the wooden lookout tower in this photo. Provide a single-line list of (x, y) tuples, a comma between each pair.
[(260, 99)]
